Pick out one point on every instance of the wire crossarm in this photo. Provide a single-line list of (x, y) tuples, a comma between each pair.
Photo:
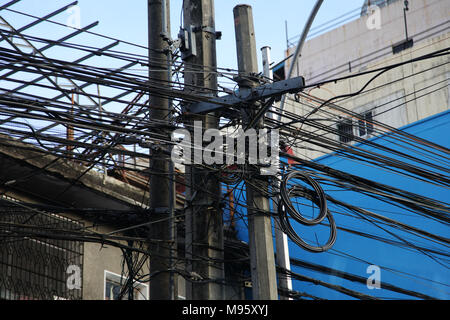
[(250, 95)]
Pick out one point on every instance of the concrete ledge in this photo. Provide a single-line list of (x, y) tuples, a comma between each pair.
[(42, 163)]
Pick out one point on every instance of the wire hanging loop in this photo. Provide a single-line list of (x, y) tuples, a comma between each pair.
[(318, 197), (286, 209)]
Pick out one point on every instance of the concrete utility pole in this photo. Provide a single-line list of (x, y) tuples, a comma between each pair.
[(281, 241), (161, 184), (264, 282), (204, 221)]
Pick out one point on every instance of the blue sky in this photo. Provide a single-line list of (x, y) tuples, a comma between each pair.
[(128, 20)]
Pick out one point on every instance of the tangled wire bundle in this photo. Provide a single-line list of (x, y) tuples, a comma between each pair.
[(287, 210)]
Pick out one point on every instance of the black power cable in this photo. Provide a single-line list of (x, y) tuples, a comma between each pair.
[(286, 209)]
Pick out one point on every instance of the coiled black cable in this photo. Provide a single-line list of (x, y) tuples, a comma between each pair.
[(286, 210), (320, 199)]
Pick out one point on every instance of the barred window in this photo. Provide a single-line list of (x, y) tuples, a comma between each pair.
[(345, 131), (33, 268)]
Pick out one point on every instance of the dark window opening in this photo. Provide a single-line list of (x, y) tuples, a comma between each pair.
[(365, 124), (278, 72)]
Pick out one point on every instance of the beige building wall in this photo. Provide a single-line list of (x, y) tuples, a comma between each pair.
[(97, 258)]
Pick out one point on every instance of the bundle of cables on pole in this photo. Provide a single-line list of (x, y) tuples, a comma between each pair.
[(291, 188)]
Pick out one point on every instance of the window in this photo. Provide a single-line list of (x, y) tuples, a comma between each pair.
[(278, 72), (389, 110), (345, 131), (348, 131), (365, 124), (114, 284), (37, 269)]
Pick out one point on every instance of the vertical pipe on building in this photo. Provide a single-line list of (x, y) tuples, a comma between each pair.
[(406, 21)]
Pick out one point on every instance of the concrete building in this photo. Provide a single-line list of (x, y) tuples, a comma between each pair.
[(41, 191), (377, 39), (48, 203)]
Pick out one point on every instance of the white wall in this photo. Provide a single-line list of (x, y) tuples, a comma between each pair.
[(417, 90), (354, 42)]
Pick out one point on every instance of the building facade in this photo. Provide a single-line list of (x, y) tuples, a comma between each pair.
[(48, 209), (401, 96)]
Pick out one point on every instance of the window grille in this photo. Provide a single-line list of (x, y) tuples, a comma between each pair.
[(36, 268), (345, 131)]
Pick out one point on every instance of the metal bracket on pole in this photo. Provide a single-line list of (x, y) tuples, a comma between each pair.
[(243, 96)]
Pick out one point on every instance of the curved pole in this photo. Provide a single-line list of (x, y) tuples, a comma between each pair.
[(300, 44)]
